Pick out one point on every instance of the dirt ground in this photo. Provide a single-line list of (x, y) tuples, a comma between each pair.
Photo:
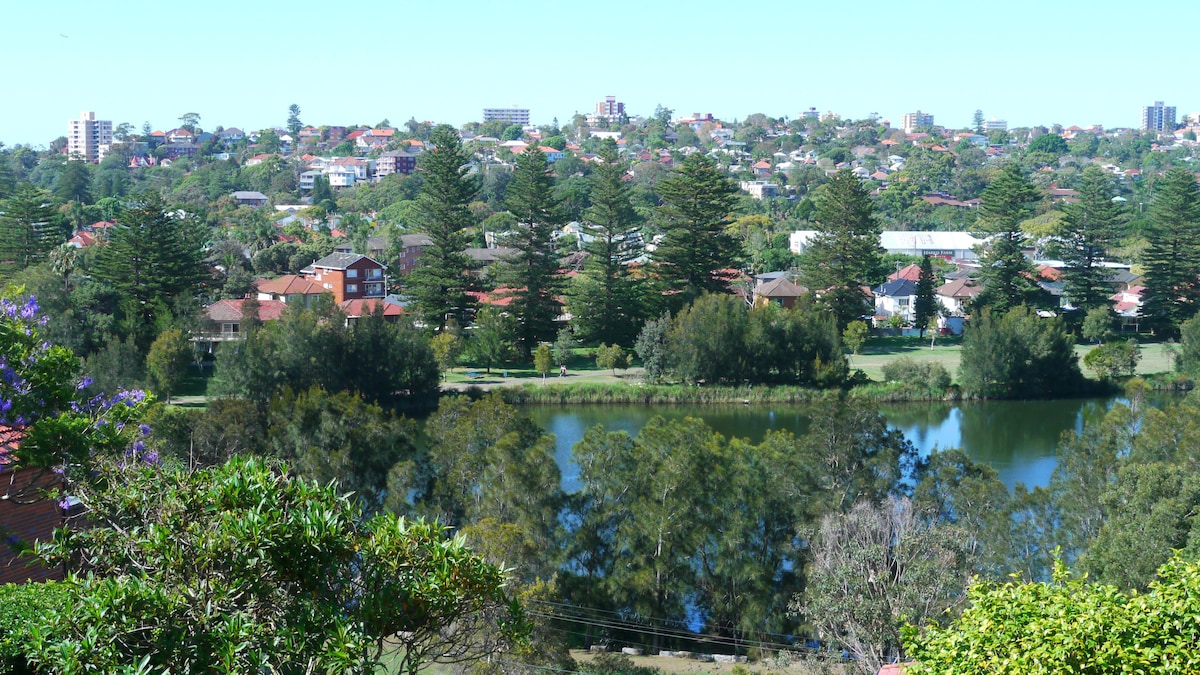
[(673, 666)]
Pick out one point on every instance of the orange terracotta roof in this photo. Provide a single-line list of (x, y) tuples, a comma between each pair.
[(289, 284), (231, 310), (354, 309)]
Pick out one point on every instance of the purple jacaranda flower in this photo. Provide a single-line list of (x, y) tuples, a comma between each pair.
[(145, 429), (84, 383)]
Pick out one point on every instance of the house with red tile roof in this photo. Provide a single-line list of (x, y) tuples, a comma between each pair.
[(356, 309), (289, 288), (910, 273), (82, 240), (955, 295), (24, 518), (349, 276)]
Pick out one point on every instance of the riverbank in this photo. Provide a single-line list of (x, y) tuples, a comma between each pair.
[(568, 393)]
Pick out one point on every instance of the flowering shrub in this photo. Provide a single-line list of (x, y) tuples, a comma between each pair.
[(49, 419)]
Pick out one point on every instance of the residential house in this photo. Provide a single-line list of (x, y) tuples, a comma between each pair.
[(357, 309), (956, 294), (1123, 279), (896, 298), (361, 168), (395, 161), (180, 136), (759, 189), (374, 138), (340, 177), (82, 239), (289, 289), (484, 258), (412, 248), (308, 179), (223, 321), (27, 522), (911, 273), (259, 159), (349, 276), (177, 150), (1128, 304), (231, 135), (778, 291), (249, 198)]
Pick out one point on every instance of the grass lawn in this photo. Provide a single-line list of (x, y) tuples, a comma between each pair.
[(948, 352), (582, 365), (879, 351)]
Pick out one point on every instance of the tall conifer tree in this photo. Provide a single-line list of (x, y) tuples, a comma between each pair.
[(845, 253), (1006, 275), (1173, 258), (153, 256), (925, 305), (1091, 230), (29, 228), (605, 304), (532, 273), (697, 201), (440, 284)]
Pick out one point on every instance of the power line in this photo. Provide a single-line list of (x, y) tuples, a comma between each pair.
[(676, 622), (665, 633)]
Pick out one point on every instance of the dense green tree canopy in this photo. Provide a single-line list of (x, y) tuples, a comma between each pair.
[(605, 301), (1092, 230), (1006, 275), (1173, 259), (243, 567), (697, 200), (29, 228), (1018, 355), (440, 284), (532, 273), (845, 254)]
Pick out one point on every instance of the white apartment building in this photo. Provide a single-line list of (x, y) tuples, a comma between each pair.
[(916, 120), (87, 136), (512, 115), (1158, 117), (995, 125)]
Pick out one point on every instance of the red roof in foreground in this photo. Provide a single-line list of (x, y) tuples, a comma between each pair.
[(231, 310), (354, 309), (497, 298), (289, 284), (10, 439), (911, 273)]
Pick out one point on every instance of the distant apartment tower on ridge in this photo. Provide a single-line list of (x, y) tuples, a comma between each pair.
[(610, 109), (1158, 117), (511, 114), (913, 121), (995, 125), (87, 135), (810, 114)]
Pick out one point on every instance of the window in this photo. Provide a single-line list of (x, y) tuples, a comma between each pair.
[(374, 273), (351, 288), (351, 274), (230, 328)]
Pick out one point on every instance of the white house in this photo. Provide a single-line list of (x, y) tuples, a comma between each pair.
[(896, 297)]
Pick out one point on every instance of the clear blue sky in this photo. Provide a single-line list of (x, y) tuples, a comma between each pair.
[(242, 63)]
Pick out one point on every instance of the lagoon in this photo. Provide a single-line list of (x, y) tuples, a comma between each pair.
[(1017, 438)]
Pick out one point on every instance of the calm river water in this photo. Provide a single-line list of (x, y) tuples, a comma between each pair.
[(1018, 438)]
